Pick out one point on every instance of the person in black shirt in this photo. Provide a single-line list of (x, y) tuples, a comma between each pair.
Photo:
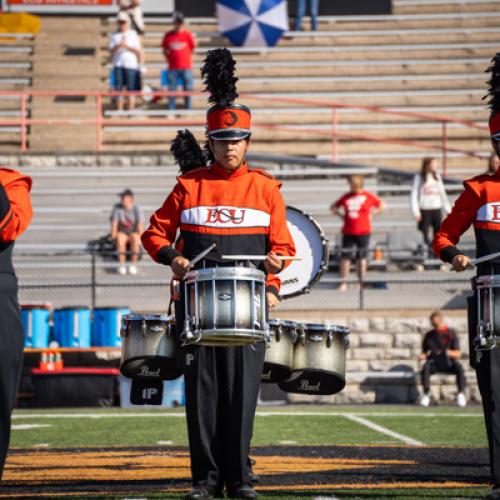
[(441, 352)]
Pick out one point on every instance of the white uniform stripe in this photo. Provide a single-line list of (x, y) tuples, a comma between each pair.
[(225, 217)]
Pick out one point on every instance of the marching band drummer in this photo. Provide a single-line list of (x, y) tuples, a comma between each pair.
[(15, 216), (479, 205), (243, 212)]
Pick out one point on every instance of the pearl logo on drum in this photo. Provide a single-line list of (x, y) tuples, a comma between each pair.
[(225, 296), (306, 386), (146, 372)]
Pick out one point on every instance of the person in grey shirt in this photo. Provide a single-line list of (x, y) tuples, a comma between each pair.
[(127, 224)]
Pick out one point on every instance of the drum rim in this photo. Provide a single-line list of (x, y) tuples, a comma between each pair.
[(326, 327), (283, 322), (487, 281), (246, 334), (227, 272), (148, 317), (325, 243)]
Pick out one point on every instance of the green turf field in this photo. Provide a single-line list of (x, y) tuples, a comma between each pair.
[(302, 452), (301, 425)]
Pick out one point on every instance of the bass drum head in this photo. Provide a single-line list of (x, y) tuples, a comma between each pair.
[(312, 246), (319, 382)]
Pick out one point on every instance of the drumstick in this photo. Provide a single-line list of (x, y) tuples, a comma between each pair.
[(258, 257), (486, 258), (200, 256)]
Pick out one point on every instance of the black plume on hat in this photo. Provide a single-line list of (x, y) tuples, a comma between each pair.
[(219, 78), (187, 152), (494, 84)]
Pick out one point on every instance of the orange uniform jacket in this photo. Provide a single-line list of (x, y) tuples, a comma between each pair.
[(242, 212), (15, 213), (479, 205)]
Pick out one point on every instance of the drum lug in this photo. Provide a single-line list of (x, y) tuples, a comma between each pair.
[(302, 336), (267, 336), (278, 333), (144, 327), (329, 339)]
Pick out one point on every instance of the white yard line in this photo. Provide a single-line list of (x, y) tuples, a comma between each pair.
[(382, 430), (259, 414), (22, 427)]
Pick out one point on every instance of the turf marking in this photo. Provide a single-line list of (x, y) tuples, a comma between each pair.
[(382, 430), (22, 427), (168, 443), (258, 414)]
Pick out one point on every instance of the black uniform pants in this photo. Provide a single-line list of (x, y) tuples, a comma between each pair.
[(488, 377), (454, 367), (11, 356), (222, 388)]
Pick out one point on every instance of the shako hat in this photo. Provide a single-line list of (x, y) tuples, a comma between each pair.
[(226, 121), (494, 96)]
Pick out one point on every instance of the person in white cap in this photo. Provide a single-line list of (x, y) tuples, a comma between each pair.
[(126, 49)]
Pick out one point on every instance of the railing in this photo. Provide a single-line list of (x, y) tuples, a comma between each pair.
[(87, 278), (101, 122)]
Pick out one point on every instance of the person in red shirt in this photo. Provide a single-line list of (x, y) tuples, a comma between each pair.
[(15, 216), (178, 45), (356, 207)]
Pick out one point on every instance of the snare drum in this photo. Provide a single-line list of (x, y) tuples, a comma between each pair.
[(319, 360), (278, 362), (488, 311), (149, 347), (225, 306)]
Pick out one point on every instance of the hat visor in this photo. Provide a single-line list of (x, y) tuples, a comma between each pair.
[(229, 135)]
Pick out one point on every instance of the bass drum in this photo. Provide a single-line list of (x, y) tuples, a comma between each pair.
[(312, 246)]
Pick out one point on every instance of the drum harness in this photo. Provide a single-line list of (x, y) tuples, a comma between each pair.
[(485, 339)]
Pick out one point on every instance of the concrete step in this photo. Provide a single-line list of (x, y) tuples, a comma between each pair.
[(340, 68), (352, 83), (438, 7), (421, 51)]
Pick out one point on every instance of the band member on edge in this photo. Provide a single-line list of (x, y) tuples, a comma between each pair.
[(15, 216), (243, 212), (479, 205)]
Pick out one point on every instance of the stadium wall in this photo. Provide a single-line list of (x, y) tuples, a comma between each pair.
[(195, 8)]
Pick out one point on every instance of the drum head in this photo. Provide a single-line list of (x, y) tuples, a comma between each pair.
[(312, 246)]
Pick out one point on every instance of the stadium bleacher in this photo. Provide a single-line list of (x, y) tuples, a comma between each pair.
[(427, 57)]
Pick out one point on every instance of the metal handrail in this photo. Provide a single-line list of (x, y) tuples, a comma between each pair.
[(100, 122)]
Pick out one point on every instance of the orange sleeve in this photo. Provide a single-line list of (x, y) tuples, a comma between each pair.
[(159, 237), (456, 223), (19, 211), (280, 239)]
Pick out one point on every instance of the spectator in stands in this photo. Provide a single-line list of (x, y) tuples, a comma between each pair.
[(127, 224), (134, 10), (356, 207), (178, 46), (301, 10), (126, 50), (428, 199), (440, 353), (493, 163)]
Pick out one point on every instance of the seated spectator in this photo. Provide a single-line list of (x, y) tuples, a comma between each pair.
[(441, 354), (127, 224), (178, 46), (493, 163), (301, 10), (125, 47), (356, 207)]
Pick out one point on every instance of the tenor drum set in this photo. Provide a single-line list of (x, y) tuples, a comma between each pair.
[(225, 306)]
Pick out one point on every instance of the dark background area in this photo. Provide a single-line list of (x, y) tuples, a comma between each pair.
[(195, 8)]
